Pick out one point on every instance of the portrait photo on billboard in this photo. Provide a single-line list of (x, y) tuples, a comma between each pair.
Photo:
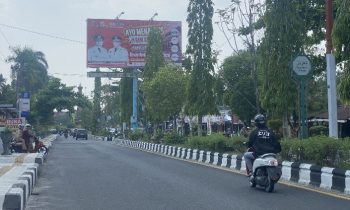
[(116, 43)]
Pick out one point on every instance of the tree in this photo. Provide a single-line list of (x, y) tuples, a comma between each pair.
[(110, 104), (237, 77), (29, 69), (7, 93), (153, 61), (96, 104), (341, 39), (249, 16), (154, 54), (125, 87), (283, 39), (201, 99), (165, 93), (55, 96)]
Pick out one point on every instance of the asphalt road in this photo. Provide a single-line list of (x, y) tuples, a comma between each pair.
[(100, 175)]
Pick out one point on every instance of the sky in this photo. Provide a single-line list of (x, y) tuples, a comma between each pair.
[(67, 19)]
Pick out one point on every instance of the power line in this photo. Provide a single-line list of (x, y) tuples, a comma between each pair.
[(41, 34), (3, 35), (64, 74)]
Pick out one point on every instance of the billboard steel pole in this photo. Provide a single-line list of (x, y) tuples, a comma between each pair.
[(134, 100)]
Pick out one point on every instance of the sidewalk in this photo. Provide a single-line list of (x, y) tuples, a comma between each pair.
[(18, 175)]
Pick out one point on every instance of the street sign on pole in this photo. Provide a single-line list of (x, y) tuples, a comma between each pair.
[(301, 67)]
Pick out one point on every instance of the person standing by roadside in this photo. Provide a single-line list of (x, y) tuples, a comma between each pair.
[(28, 136), (19, 138)]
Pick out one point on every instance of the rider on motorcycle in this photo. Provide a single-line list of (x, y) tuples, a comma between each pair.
[(28, 137), (261, 141), (19, 138)]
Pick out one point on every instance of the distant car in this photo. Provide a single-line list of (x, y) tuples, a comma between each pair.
[(81, 134)]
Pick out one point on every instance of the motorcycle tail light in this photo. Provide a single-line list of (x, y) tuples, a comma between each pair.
[(273, 162)]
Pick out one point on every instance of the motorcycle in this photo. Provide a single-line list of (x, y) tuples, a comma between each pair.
[(39, 147), (65, 135), (266, 172)]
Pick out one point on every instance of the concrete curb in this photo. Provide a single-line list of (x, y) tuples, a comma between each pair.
[(18, 176), (306, 174)]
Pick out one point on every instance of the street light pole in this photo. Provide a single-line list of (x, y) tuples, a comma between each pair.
[(331, 73)]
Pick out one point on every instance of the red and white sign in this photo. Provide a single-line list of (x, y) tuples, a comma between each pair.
[(14, 122), (116, 43)]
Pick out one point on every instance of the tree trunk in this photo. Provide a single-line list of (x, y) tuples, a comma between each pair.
[(199, 125), (286, 127)]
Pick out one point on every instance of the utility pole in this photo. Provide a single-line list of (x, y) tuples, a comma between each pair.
[(331, 74)]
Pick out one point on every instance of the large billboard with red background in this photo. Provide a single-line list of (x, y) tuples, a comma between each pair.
[(116, 43)]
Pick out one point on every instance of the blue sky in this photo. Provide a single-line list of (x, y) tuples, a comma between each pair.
[(67, 19)]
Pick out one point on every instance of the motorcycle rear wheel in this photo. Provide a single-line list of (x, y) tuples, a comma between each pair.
[(43, 149), (270, 185), (252, 182)]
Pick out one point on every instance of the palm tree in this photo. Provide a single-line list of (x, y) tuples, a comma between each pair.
[(7, 94), (28, 69)]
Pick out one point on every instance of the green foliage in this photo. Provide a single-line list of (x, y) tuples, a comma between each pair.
[(318, 130), (341, 39), (173, 138), (236, 144), (165, 93), (96, 109), (136, 135), (275, 124), (283, 38), (154, 55), (200, 96), (320, 150), (216, 142), (276, 127), (341, 31), (7, 93), (157, 136), (317, 96), (125, 99), (29, 69), (109, 99), (54, 96), (344, 84), (86, 117), (236, 74)]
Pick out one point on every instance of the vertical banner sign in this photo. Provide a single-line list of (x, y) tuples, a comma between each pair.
[(24, 104), (116, 43)]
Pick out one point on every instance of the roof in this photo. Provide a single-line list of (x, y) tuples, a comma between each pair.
[(342, 111)]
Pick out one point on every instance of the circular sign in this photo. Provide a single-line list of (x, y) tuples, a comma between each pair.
[(301, 65)]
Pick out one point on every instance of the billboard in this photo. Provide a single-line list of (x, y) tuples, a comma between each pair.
[(117, 43)]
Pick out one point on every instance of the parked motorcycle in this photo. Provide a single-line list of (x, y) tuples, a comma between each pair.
[(266, 172), (39, 147)]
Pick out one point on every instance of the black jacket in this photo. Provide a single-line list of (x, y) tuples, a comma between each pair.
[(263, 141)]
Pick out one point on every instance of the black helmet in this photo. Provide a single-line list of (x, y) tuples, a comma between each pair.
[(259, 120)]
